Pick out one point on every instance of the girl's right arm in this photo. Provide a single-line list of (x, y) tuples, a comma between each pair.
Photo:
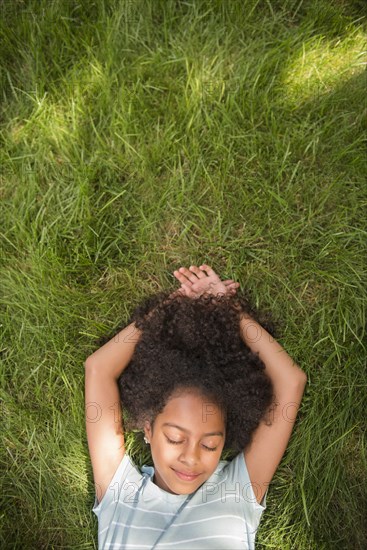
[(103, 412)]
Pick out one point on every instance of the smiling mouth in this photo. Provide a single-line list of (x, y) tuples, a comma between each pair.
[(187, 477)]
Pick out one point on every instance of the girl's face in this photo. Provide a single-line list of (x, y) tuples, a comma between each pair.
[(188, 438)]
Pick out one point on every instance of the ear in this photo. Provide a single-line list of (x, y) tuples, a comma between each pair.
[(147, 430)]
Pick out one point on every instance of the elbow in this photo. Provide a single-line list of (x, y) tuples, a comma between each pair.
[(88, 363), (297, 387), (303, 377), (298, 379), (301, 380)]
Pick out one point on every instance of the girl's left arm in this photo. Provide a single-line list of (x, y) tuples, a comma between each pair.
[(270, 440)]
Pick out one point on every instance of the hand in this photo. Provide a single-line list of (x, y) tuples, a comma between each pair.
[(196, 281)]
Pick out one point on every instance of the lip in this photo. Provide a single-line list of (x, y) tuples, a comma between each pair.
[(185, 477)]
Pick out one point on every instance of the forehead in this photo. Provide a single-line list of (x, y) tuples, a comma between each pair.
[(192, 411)]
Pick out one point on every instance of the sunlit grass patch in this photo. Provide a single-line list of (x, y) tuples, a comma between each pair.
[(321, 64)]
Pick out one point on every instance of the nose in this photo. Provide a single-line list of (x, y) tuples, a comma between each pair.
[(190, 455)]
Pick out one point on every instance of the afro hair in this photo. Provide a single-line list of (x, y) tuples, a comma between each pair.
[(197, 343)]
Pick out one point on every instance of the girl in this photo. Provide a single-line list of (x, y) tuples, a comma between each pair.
[(204, 376)]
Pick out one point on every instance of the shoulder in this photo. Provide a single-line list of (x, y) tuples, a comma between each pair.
[(126, 476), (236, 474), (228, 495)]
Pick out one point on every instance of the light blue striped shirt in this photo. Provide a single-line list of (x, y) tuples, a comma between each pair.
[(221, 514)]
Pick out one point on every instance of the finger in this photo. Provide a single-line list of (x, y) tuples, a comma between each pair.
[(190, 276), (209, 270), (187, 290), (182, 291), (181, 277), (179, 292), (198, 272), (231, 282), (233, 286)]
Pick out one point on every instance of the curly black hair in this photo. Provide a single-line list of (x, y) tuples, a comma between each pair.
[(188, 343)]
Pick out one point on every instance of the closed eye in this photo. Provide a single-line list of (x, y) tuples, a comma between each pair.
[(178, 443)]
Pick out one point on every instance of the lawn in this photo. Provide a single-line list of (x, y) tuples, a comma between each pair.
[(141, 135)]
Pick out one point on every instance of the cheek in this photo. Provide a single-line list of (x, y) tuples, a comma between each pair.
[(164, 453), (213, 460)]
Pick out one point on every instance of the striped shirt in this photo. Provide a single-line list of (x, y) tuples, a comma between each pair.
[(136, 514)]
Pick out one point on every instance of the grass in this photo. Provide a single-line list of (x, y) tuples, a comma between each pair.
[(137, 136)]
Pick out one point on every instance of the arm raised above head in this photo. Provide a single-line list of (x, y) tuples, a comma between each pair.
[(114, 356), (270, 439), (279, 366), (103, 413)]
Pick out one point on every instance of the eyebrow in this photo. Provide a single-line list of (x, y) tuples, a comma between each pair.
[(187, 431)]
